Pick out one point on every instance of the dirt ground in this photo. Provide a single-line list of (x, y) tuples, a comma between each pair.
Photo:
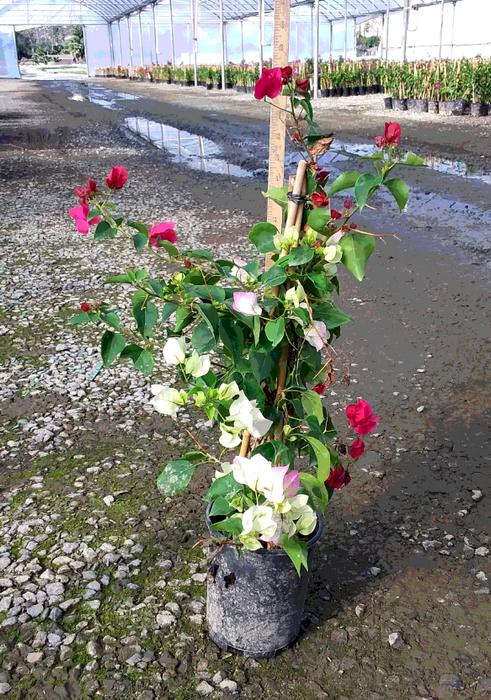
[(406, 546)]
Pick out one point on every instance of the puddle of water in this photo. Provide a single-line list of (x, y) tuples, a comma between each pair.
[(191, 150)]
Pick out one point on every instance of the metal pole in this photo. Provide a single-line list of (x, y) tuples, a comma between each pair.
[(222, 44), (381, 45), (453, 25), (330, 39), (155, 34), (316, 49), (111, 46), (242, 39), (195, 40), (442, 10), (86, 48), (261, 22), (120, 42), (387, 31), (345, 29), (140, 32), (405, 25), (312, 50), (130, 39), (172, 39)]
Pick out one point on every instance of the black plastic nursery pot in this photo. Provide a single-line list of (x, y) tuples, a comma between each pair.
[(461, 106), (388, 102), (209, 86), (255, 601), (324, 92), (433, 106), (399, 105), (217, 86), (421, 106), (355, 90), (479, 109), (363, 89)]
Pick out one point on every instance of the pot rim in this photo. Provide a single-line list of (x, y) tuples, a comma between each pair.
[(278, 551)]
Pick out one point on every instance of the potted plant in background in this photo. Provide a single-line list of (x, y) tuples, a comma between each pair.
[(252, 348)]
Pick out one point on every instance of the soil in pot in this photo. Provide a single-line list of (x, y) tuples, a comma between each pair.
[(399, 105), (388, 102), (255, 601), (479, 109), (432, 106)]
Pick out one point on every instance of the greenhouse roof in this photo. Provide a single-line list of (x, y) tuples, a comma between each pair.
[(89, 12)]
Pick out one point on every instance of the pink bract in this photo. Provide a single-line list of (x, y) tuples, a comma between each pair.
[(164, 231), (361, 417), (117, 178), (270, 84)]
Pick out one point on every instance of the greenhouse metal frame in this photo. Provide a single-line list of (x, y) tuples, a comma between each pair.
[(20, 14)]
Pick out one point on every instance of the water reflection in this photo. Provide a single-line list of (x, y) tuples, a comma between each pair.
[(188, 149)]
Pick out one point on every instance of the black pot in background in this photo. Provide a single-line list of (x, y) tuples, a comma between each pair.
[(335, 92), (255, 601), (341, 91), (324, 92), (479, 109), (411, 105), (355, 90), (461, 106), (229, 86), (209, 86), (388, 102), (347, 91), (432, 106), (421, 105), (399, 105), (363, 89), (217, 86), (189, 83)]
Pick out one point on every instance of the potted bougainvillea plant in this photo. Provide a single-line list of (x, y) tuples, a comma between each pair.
[(251, 346)]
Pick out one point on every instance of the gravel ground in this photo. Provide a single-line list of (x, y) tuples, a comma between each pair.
[(101, 592)]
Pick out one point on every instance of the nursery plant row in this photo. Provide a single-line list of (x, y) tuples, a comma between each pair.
[(448, 87)]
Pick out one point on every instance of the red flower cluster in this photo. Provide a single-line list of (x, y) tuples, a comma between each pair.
[(80, 215), (164, 232), (85, 306), (361, 417), (286, 74), (85, 194), (319, 199), (357, 448), (302, 85), (322, 176), (117, 178), (319, 388), (348, 203), (335, 214), (338, 477), (270, 84), (391, 136)]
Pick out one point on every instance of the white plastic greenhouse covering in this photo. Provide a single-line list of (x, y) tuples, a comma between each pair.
[(127, 32)]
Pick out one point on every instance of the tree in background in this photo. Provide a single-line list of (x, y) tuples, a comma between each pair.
[(25, 44), (76, 43)]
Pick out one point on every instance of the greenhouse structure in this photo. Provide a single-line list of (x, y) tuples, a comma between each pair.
[(128, 32)]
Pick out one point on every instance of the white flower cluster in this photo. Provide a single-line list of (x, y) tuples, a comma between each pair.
[(283, 512)]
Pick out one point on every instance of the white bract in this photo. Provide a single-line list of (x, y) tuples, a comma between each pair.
[(167, 400), (197, 366), (248, 471), (175, 351), (228, 391), (229, 437), (244, 413), (295, 295), (256, 521), (333, 253), (317, 335)]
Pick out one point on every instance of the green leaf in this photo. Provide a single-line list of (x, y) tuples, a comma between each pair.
[(203, 339), (231, 525), (312, 405), (112, 319), (273, 277), (232, 337), (298, 553), (168, 309), (275, 330), (199, 253), (140, 241), (209, 316), (171, 249), (343, 182), (225, 486), (278, 195), (375, 156), (261, 236), (262, 365), (221, 507), (413, 160), (141, 228), (104, 230), (316, 489), (357, 248), (141, 275), (79, 318), (175, 477), (363, 186), (145, 314), (206, 293), (111, 345), (194, 455), (183, 318), (319, 218), (156, 287), (331, 315), (301, 255), (93, 214), (142, 359), (323, 457), (399, 191), (117, 279)]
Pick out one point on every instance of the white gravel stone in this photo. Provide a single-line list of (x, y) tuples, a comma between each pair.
[(481, 551), (35, 610), (204, 688), (55, 589), (395, 640), (5, 688), (166, 619), (229, 685)]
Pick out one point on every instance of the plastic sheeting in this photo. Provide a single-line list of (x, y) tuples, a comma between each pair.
[(9, 68)]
